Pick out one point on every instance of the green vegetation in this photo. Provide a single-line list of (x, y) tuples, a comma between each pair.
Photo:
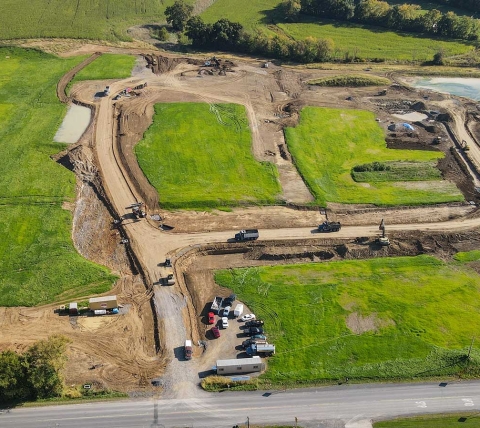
[(39, 262), (376, 319), (328, 143), (222, 383), (36, 374), (460, 420), (199, 156), (107, 66), (469, 256), (360, 41), (96, 19), (397, 171), (350, 80)]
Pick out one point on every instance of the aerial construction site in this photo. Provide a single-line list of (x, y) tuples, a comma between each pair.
[(166, 257)]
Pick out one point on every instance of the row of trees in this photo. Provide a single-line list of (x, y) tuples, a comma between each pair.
[(227, 35), (473, 5), (34, 374), (377, 12)]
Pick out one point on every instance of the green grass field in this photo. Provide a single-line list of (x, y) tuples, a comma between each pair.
[(400, 171), (328, 143), (377, 319), (95, 19), (350, 80), (469, 256), (199, 156), (107, 66), (370, 42), (39, 262), (459, 420)]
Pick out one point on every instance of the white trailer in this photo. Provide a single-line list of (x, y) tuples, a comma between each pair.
[(238, 311), (239, 366)]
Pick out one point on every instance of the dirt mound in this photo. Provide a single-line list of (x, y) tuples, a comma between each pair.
[(418, 106), (160, 64)]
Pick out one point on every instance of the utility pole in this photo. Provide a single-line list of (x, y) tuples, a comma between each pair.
[(248, 422)]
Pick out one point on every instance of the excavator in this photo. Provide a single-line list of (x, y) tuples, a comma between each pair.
[(383, 240)]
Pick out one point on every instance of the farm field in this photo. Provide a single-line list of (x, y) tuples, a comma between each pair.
[(372, 42), (460, 420), (39, 262), (96, 19), (376, 319), (328, 143), (199, 156)]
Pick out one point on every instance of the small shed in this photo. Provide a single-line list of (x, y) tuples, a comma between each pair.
[(240, 365), (73, 308), (104, 302)]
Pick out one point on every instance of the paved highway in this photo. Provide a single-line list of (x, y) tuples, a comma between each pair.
[(336, 406)]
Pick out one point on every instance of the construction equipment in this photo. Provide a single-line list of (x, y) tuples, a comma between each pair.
[(168, 280), (383, 240), (329, 226), (247, 235), (465, 146), (137, 210)]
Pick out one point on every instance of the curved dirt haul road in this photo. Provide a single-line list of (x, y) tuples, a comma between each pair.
[(152, 245)]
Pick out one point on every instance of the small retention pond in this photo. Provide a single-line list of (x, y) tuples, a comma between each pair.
[(461, 86), (74, 124)]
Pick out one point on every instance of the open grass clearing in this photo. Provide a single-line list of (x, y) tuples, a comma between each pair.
[(460, 420), (376, 319), (39, 262), (368, 42), (468, 256), (199, 156), (328, 143), (107, 66), (350, 80), (399, 171)]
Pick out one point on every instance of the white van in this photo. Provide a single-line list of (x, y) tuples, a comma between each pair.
[(238, 311)]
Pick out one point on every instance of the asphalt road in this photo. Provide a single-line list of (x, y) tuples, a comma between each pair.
[(336, 406)]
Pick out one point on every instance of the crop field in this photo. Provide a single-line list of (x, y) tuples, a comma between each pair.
[(328, 143), (460, 420), (39, 262), (95, 19), (199, 156), (372, 42), (377, 319)]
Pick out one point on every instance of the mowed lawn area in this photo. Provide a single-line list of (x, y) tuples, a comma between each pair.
[(377, 319), (328, 143), (198, 155), (459, 420), (107, 66), (39, 263)]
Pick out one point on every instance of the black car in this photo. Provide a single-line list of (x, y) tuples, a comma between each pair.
[(253, 331), (229, 300), (249, 342), (254, 323)]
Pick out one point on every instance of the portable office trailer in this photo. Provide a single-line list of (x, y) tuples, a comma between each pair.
[(240, 365), (104, 302)]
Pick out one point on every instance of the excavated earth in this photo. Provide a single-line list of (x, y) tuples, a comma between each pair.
[(130, 351)]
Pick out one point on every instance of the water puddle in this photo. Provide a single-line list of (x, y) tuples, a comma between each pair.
[(461, 86), (74, 124)]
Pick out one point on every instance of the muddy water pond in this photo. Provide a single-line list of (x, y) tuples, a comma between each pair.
[(74, 124), (460, 86)]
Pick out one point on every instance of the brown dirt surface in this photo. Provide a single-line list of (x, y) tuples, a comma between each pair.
[(359, 324)]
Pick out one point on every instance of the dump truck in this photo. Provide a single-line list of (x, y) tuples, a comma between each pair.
[(216, 305), (168, 280), (247, 235), (262, 349), (329, 226)]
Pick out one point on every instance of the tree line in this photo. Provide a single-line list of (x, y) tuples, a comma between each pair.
[(35, 373), (472, 5), (227, 35), (404, 17)]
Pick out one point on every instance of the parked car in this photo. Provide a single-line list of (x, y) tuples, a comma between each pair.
[(248, 317), (254, 323), (216, 332), (188, 350), (211, 318), (259, 336), (230, 299), (224, 322), (251, 341), (251, 331), (226, 311)]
